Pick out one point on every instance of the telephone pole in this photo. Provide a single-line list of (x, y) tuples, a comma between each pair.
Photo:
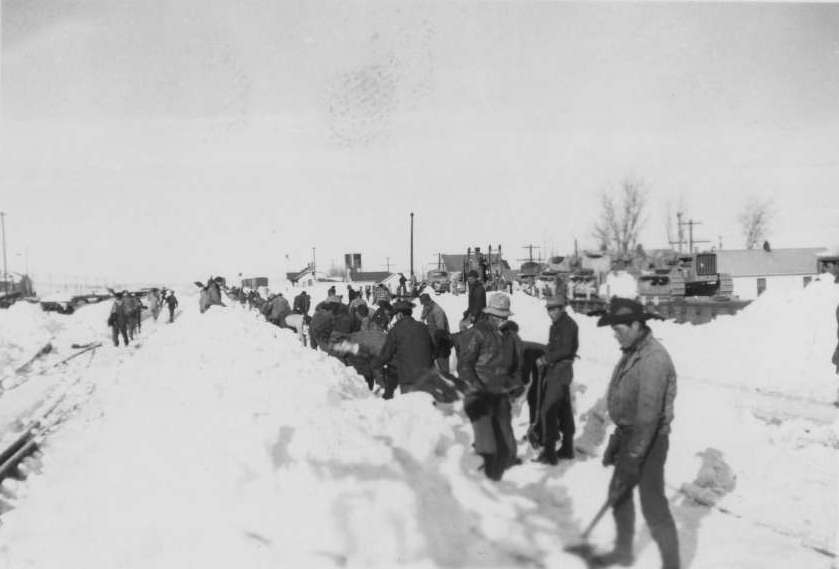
[(681, 233), (412, 245), (530, 247)]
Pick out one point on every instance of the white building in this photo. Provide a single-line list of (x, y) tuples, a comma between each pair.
[(757, 270)]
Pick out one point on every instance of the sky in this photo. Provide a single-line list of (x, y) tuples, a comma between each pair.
[(175, 139)]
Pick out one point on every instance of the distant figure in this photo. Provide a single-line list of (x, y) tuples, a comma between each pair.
[(132, 311), (302, 302), (367, 292), (836, 351), (403, 291), (477, 295), (381, 293), (118, 320), (171, 304), (331, 291), (154, 303)]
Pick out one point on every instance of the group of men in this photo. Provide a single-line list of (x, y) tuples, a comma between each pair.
[(125, 318), (495, 366)]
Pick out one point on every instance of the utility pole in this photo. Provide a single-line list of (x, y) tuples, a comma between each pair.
[(530, 249), (690, 241), (314, 269), (5, 270), (412, 245), (387, 264)]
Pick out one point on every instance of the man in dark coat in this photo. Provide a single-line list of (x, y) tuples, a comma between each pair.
[(640, 402), (477, 295), (171, 304), (302, 303), (555, 414), (491, 359), (118, 320), (408, 348)]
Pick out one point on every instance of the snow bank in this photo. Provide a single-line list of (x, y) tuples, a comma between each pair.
[(223, 441), (24, 330)]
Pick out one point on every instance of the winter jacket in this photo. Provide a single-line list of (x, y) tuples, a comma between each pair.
[(119, 314), (641, 393), (171, 301), (408, 345), (477, 300), (279, 309), (302, 302), (321, 326), (563, 342), (435, 318), (490, 358)]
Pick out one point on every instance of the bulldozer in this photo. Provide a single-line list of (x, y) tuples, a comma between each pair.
[(686, 275)]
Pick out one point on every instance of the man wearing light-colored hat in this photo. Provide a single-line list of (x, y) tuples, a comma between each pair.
[(490, 364)]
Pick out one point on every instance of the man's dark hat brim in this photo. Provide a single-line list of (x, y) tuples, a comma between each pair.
[(624, 311)]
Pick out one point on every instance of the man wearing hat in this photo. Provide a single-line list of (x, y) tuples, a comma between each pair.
[(490, 365), (408, 348), (438, 326), (640, 402), (555, 413), (477, 295)]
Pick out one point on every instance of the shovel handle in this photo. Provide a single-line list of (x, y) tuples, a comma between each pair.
[(597, 517)]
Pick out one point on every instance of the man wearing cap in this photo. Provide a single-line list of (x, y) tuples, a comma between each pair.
[(555, 413), (491, 359), (640, 402), (408, 348), (438, 326)]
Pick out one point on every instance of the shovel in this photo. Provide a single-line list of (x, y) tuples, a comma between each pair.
[(584, 549)]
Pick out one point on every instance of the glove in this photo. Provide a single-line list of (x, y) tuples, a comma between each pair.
[(610, 455)]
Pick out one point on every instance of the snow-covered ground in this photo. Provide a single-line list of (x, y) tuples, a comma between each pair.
[(220, 441)]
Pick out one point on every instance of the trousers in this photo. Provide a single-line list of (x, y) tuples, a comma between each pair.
[(654, 505)]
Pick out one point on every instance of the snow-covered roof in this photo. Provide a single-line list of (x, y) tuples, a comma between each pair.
[(777, 262)]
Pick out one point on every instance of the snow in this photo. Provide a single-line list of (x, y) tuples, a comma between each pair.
[(221, 441)]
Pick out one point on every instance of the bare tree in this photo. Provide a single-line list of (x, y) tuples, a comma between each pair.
[(621, 220), (754, 220)]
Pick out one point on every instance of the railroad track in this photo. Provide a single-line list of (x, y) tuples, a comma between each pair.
[(52, 411)]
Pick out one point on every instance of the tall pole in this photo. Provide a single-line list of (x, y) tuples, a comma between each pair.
[(314, 266), (412, 244), (5, 271)]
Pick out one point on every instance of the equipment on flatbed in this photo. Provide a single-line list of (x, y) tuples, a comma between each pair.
[(686, 275)]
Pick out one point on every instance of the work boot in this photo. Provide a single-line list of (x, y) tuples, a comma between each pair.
[(566, 451), (620, 557), (547, 457)]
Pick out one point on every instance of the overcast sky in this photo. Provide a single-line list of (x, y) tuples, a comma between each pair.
[(172, 139)]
